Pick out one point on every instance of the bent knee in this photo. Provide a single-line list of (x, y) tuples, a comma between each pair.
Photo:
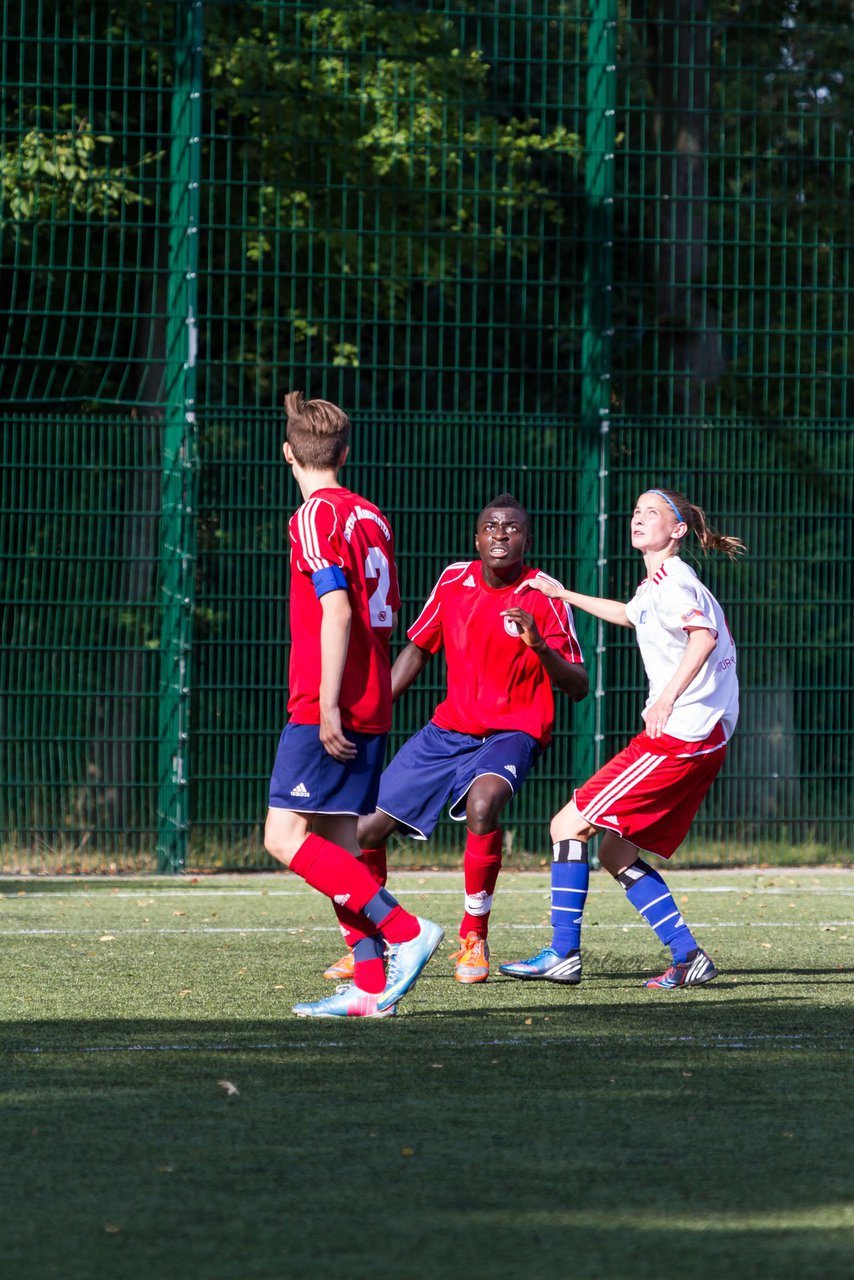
[(282, 837), (484, 805), (568, 824), (374, 829)]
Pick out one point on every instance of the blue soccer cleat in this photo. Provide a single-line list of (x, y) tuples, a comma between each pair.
[(693, 972), (549, 965), (407, 959), (348, 1002)]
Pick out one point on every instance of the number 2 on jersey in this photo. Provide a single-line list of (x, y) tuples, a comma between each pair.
[(376, 566)]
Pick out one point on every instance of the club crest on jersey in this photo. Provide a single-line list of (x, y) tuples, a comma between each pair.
[(512, 628)]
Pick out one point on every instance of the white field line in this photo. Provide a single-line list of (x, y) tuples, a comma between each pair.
[(808, 1040), (407, 889), (191, 930)]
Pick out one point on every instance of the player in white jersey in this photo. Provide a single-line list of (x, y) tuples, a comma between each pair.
[(647, 796)]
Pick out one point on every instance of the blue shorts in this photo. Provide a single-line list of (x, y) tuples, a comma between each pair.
[(439, 763), (308, 779)]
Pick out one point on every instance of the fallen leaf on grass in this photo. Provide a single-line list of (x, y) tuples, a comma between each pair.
[(529, 1022), (186, 991), (407, 1151), (280, 986), (179, 913), (111, 1228), (107, 937), (231, 1090)]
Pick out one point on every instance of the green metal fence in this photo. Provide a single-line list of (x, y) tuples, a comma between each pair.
[(570, 250)]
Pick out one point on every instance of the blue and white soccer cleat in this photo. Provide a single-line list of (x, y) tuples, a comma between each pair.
[(693, 972), (407, 959), (348, 1002), (548, 964)]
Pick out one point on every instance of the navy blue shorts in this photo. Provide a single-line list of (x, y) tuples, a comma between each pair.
[(436, 764), (308, 779)]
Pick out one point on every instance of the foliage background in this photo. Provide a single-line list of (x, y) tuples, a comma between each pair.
[(392, 213)]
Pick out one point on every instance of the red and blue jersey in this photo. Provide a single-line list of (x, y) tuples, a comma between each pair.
[(340, 538), (495, 681)]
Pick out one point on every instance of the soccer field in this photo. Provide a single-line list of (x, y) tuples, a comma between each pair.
[(166, 1116)]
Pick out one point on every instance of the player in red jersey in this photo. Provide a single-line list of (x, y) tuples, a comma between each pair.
[(504, 652), (344, 601)]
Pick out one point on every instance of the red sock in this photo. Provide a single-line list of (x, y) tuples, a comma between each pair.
[(376, 862), (481, 867), (335, 872), (369, 975), (354, 926), (399, 926)]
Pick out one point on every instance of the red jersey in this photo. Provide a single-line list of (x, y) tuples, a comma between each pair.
[(495, 681), (337, 529)]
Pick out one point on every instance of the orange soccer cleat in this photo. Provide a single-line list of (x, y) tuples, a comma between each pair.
[(472, 959), (341, 970)]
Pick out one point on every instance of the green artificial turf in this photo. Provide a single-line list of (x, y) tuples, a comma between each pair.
[(165, 1115)]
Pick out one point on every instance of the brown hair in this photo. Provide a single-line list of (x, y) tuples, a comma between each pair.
[(695, 518), (317, 431)]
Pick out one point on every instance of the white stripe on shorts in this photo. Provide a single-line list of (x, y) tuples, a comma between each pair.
[(622, 785)]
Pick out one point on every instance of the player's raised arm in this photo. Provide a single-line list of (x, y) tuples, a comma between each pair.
[(608, 610)]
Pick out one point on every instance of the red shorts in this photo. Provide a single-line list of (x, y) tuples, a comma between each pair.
[(650, 792)]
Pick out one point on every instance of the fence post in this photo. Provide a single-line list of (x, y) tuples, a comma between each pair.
[(591, 522), (177, 522)]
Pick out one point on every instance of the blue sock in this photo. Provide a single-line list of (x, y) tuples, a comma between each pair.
[(570, 878), (650, 896)]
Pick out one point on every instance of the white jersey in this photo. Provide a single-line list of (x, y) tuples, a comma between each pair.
[(662, 607)]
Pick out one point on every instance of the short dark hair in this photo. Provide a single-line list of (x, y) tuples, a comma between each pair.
[(504, 502), (317, 431)]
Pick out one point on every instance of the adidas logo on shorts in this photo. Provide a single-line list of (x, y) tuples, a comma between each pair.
[(511, 768), (301, 791), (341, 900)]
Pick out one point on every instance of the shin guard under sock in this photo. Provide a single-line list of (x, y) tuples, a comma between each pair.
[(651, 898), (334, 872), (570, 880)]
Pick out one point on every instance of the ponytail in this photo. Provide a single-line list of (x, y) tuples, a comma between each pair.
[(695, 518)]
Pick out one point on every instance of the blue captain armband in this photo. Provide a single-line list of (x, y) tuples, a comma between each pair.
[(329, 579)]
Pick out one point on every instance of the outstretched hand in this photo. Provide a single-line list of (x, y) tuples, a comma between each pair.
[(550, 589)]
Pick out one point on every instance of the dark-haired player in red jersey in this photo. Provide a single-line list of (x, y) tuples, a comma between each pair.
[(344, 600), (504, 652)]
